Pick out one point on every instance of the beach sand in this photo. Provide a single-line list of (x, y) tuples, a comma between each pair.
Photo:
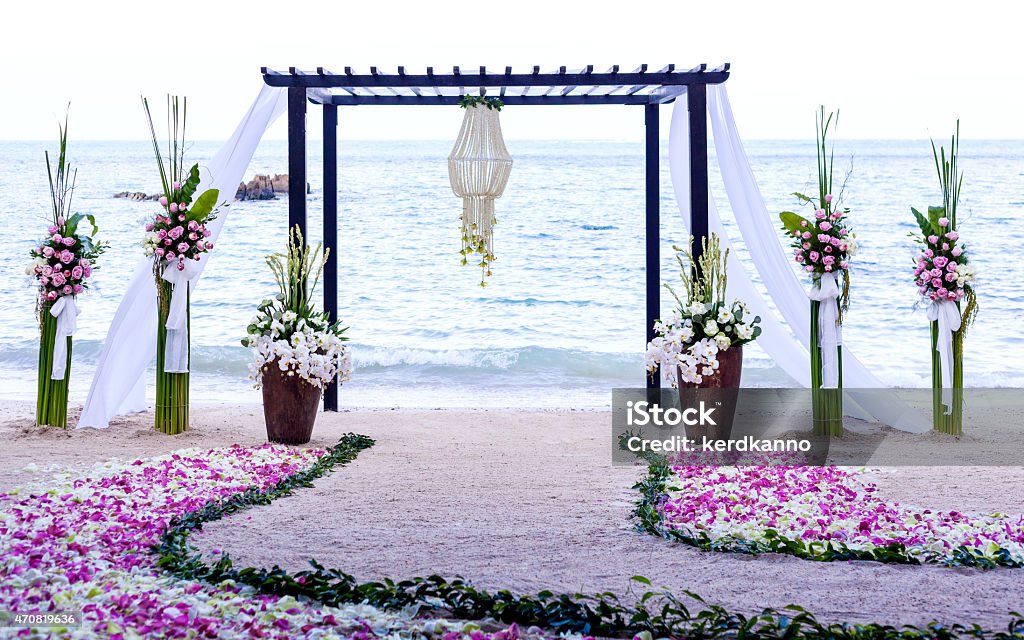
[(528, 500)]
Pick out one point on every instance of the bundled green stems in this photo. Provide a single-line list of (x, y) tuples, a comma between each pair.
[(171, 388), (52, 395), (826, 404), (948, 420)]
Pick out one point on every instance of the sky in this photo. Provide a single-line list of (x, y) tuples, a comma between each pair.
[(894, 69)]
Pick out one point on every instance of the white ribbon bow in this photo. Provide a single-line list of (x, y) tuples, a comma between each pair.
[(830, 335), (66, 313), (176, 347), (948, 316)]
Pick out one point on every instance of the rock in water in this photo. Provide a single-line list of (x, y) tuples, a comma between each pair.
[(263, 187)]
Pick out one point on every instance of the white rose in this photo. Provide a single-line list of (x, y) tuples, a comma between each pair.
[(697, 308), (723, 342), (711, 328), (724, 316)]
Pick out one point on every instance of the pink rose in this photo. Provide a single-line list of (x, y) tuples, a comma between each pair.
[(933, 239), (58, 279), (940, 261), (844, 264), (929, 253), (67, 257), (943, 222), (953, 235), (181, 266), (51, 295), (149, 226), (78, 289), (828, 267), (192, 236), (61, 221), (192, 225), (950, 277), (936, 283), (844, 232), (169, 255), (69, 242), (176, 186), (808, 268), (52, 229), (67, 290), (803, 223), (957, 251), (951, 267), (806, 245), (825, 225), (182, 206), (829, 260), (828, 249), (159, 252), (181, 218), (183, 247), (173, 207), (47, 271), (799, 257), (167, 242), (163, 201), (47, 251), (806, 235), (814, 256), (209, 246), (207, 233), (161, 234), (941, 292), (828, 197), (57, 239), (43, 280), (176, 232), (84, 262), (945, 246), (77, 272), (87, 272), (820, 214)]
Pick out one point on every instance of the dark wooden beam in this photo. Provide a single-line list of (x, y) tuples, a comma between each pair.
[(297, 158), (696, 97), (330, 199), (511, 100), (653, 225)]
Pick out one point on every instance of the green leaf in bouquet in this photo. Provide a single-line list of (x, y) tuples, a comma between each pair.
[(801, 197), (934, 213), (191, 184), (203, 206), (922, 222), (756, 333), (792, 221)]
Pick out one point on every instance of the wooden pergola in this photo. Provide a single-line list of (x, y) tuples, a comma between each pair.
[(641, 86)]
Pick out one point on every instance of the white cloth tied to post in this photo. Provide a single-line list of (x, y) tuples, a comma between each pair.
[(825, 291), (947, 314), (66, 312), (176, 347)]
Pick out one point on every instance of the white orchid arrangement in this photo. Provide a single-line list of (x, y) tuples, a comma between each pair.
[(287, 332), (704, 323)]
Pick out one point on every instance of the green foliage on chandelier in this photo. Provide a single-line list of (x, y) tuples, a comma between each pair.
[(475, 101)]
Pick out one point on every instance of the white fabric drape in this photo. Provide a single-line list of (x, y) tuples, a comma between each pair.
[(119, 385), (66, 312), (758, 230), (947, 314)]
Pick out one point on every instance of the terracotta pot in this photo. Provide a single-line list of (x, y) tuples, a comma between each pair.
[(721, 390), (290, 405)]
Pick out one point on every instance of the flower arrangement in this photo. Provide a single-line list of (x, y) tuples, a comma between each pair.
[(61, 266), (823, 245), (945, 278), (287, 332), (177, 239), (704, 324), (802, 509)]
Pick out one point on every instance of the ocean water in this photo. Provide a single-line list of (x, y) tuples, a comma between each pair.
[(561, 321)]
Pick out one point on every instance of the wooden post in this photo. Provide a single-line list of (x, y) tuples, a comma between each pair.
[(297, 159), (696, 99), (653, 230), (331, 233)]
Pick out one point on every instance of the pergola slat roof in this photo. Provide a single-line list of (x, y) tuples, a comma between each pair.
[(563, 86)]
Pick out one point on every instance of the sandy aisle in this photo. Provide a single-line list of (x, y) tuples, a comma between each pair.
[(528, 500)]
